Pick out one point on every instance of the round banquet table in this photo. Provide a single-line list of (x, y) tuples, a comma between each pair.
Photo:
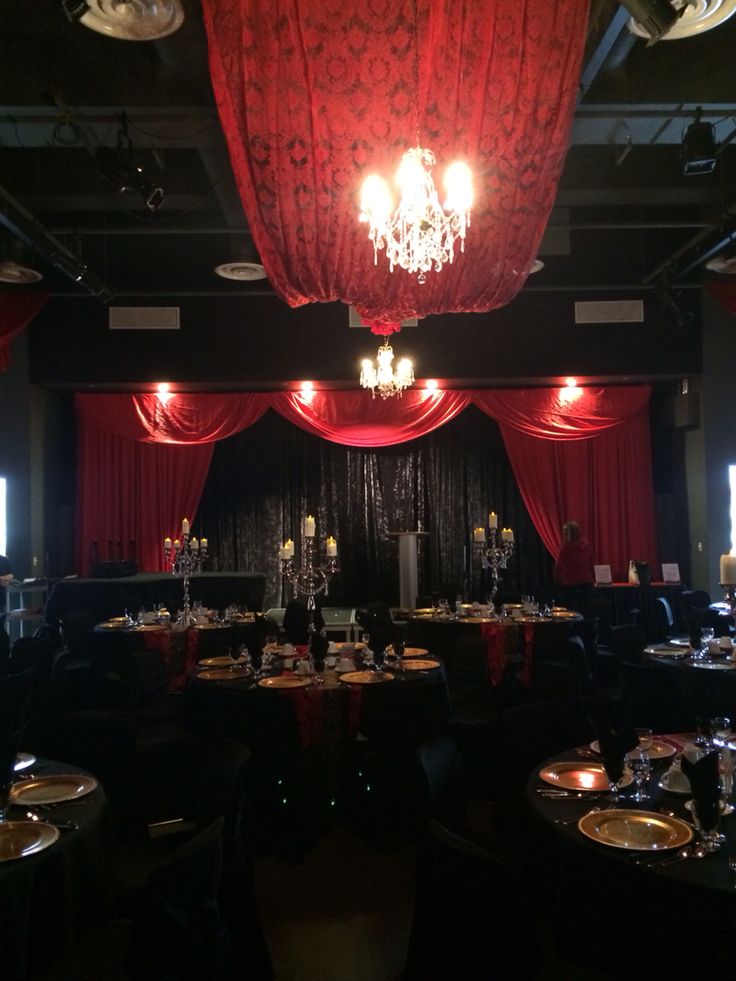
[(707, 688), (656, 920), (510, 642), (50, 900)]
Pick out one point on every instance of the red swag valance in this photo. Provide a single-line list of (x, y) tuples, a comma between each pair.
[(313, 97), (587, 456), (17, 310)]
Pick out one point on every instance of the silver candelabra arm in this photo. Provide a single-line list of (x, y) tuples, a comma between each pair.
[(494, 556), (309, 577), (185, 556)]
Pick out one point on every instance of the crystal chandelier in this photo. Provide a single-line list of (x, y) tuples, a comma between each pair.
[(389, 381), (420, 234)]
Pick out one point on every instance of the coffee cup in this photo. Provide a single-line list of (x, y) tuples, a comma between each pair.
[(676, 779), (725, 644), (714, 647)]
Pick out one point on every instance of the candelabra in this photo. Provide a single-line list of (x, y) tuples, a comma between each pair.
[(728, 580), (185, 556), (309, 577), (493, 554)]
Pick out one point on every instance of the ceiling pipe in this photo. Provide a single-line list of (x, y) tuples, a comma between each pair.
[(705, 244), (26, 227)]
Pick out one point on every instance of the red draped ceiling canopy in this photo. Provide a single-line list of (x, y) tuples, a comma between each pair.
[(314, 96), (584, 452)]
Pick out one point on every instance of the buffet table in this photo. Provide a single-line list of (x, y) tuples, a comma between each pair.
[(104, 598)]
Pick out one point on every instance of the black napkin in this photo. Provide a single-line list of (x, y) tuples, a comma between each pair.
[(614, 744), (704, 777)]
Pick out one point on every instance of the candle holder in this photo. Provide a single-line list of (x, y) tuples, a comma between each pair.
[(310, 577), (729, 594), (185, 556), (494, 555)]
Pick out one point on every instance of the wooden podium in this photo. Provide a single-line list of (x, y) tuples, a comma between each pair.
[(408, 579)]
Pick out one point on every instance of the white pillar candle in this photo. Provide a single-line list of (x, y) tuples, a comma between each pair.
[(479, 535), (289, 548), (194, 542), (185, 527), (493, 520), (728, 570), (510, 534), (177, 543), (203, 543), (309, 526), (282, 553), (331, 546), (167, 543)]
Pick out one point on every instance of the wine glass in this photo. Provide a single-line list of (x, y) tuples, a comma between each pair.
[(707, 820), (706, 636), (615, 768), (444, 606)]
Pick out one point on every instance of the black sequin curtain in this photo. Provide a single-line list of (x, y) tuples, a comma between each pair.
[(265, 479)]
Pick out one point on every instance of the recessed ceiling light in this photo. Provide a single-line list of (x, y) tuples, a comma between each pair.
[(13, 272), (244, 272), (721, 264)]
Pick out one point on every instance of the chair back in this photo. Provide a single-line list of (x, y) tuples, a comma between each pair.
[(442, 779), (628, 640)]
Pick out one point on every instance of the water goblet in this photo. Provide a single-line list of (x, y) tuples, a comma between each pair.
[(444, 606), (615, 768), (707, 820), (706, 636)]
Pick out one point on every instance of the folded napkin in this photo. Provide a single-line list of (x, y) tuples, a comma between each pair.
[(614, 744), (704, 777)]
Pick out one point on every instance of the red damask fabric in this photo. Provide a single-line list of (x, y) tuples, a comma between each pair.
[(315, 96)]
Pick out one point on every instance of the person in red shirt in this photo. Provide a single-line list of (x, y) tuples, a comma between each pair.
[(573, 571)]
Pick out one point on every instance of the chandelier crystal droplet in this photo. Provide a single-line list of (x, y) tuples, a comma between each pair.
[(420, 234), (383, 376)]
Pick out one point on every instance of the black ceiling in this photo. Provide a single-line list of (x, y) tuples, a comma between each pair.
[(625, 215)]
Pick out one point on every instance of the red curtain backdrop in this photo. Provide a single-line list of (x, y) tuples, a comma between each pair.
[(17, 310), (313, 97), (132, 490), (584, 456)]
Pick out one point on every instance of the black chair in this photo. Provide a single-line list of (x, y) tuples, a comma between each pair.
[(176, 931), (663, 622), (442, 782), (471, 917), (699, 617), (296, 621), (561, 675), (627, 642)]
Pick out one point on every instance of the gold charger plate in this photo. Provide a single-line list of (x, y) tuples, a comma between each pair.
[(53, 789), (419, 664), (415, 652), (669, 652), (148, 628), (222, 661), (111, 625), (713, 665), (358, 645), (21, 838), (285, 681), (579, 776), (209, 626), (366, 677), (564, 614), (424, 611), (222, 674), (475, 620), (640, 831), (659, 750)]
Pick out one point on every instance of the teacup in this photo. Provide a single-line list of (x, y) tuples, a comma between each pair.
[(304, 667), (676, 779)]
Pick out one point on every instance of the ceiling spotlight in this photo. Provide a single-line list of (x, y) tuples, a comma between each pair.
[(652, 18), (13, 272), (698, 147), (659, 20), (121, 167), (127, 20), (726, 265)]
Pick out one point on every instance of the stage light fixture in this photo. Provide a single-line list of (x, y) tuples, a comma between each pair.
[(654, 18), (121, 167), (698, 147)]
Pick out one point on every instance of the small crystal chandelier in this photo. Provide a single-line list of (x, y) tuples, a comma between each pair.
[(389, 381), (420, 234)]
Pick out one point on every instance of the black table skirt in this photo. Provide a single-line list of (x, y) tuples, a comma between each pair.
[(624, 598), (104, 598)]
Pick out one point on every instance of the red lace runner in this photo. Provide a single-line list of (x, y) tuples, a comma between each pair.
[(326, 715), (179, 651), (502, 649), (314, 97)]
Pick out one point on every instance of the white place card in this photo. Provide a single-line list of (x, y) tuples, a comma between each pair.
[(602, 575), (671, 573)]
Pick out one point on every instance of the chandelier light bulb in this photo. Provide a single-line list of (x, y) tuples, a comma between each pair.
[(420, 234)]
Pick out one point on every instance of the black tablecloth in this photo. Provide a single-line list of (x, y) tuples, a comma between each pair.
[(51, 899), (683, 915), (104, 598)]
